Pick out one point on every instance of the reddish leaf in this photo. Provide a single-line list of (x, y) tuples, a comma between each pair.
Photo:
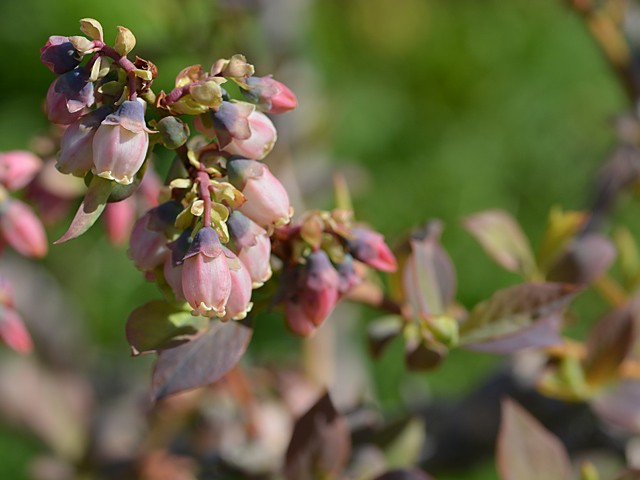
[(608, 344), (503, 240), (320, 444), (158, 325), (409, 474), (201, 361), (90, 209), (526, 450), (620, 405), (585, 259), (523, 316)]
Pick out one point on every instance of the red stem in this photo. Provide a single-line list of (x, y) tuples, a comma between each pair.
[(124, 63)]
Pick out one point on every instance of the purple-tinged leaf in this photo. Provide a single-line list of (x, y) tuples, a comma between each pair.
[(158, 325), (585, 259), (428, 276), (404, 474), (609, 342), (201, 361), (620, 405), (381, 332), (320, 444), (503, 240), (90, 209), (526, 450), (523, 316)]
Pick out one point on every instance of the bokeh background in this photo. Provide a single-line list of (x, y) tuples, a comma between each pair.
[(431, 108)]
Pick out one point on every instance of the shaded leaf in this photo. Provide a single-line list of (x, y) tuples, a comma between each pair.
[(526, 315), (620, 405), (408, 474), (585, 259), (526, 450), (90, 209), (381, 332), (503, 240), (158, 325), (428, 276), (201, 361), (609, 342), (320, 445)]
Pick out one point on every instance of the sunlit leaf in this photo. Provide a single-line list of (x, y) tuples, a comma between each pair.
[(320, 444), (526, 450), (201, 361), (503, 240), (159, 325), (526, 315)]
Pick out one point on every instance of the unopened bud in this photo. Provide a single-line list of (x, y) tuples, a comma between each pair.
[(259, 143), (173, 131), (271, 95), (21, 229), (68, 96), (369, 247), (13, 332), (59, 55), (119, 218), (148, 248), (18, 168)]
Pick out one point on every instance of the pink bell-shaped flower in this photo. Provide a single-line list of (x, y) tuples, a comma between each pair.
[(120, 144), (18, 168), (13, 332), (239, 302), (22, 229), (252, 245), (206, 280), (68, 96), (259, 143), (147, 247)]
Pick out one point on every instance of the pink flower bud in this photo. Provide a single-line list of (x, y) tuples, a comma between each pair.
[(18, 168), (120, 144), (21, 229), (59, 55), (239, 302), (297, 319), (13, 331), (206, 280), (252, 245), (259, 143), (148, 248), (76, 145), (273, 96), (68, 96), (349, 277), (369, 247), (119, 218), (173, 277), (267, 202)]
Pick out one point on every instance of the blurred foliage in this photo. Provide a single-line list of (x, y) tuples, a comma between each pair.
[(452, 107)]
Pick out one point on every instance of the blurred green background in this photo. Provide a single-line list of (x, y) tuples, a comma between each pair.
[(449, 108)]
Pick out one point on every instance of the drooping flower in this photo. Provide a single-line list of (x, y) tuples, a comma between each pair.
[(148, 246), (120, 144), (239, 302), (18, 168), (267, 202), (68, 96), (22, 229), (59, 54), (252, 245)]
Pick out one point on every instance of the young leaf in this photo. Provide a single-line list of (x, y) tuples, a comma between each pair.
[(320, 444), (201, 361), (90, 209), (526, 315), (585, 259), (158, 325), (608, 344), (503, 240), (526, 450)]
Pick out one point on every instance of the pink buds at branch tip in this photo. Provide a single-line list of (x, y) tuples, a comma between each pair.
[(120, 144), (18, 168), (22, 229), (369, 247), (206, 280), (272, 95)]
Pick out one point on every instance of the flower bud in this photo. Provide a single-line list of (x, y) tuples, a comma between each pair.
[(68, 96), (369, 247), (206, 280), (259, 143), (59, 55), (13, 332), (252, 245), (173, 131), (18, 168), (76, 145), (21, 229), (173, 277), (239, 302), (120, 144), (349, 278), (119, 218), (267, 202), (148, 247), (273, 96)]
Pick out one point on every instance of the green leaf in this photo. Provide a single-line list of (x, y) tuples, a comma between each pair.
[(526, 315), (90, 209), (526, 450), (503, 240), (158, 325)]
